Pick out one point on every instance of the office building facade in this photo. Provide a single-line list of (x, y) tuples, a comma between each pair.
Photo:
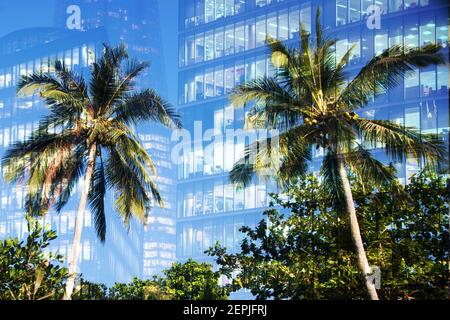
[(136, 24), (81, 29), (222, 44)]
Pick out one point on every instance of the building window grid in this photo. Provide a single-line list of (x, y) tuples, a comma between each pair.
[(426, 31)]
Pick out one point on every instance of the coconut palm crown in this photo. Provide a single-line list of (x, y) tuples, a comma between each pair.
[(310, 100)]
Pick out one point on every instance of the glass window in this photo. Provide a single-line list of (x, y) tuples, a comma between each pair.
[(381, 42), (239, 6), (240, 73), (442, 34), (411, 33), (199, 200), (218, 197), (239, 199), (427, 31), (67, 59), (355, 43), (260, 67), (367, 45), (229, 79), (428, 83), (218, 43), (239, 38), (395, 34), (261, 200), (272, 26), (443, 124), (219, 82), (199, 87), (294, 23), (207, 236), (395, 5), (429, 116), (249, 34), (283, 23), (250, 194), (260, 31), (220, 9), (229, 7), (229, 152), (2, 78), (188, 204), (341, 49), (305, 16), (229, 197), (218, 150), (199, 48), (209, 84), (198, 239), (365, 6), (209, 10), (209, 46), (260, 3), (229, 234), (412, 85), (412, 117), (354, 10), (442, 80), (229, 118), (249, 69), (411, 4), (341, 12), (238, 235), (209, 198), (383, 4), (76, 58), (218, 120), (229, 40), (190, 88)]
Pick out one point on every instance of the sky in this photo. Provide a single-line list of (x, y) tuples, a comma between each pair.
[(40, 13)]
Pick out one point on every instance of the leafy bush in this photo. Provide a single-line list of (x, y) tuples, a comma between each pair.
[(304, 250), (27, 272)]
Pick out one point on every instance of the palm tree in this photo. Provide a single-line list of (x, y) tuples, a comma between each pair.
[(89, 133), (313, 106)]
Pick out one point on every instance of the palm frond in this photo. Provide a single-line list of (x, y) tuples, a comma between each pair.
[(96, 198), (332, 181), (369, 171), (401, 142), (386, 70), (145, 106)]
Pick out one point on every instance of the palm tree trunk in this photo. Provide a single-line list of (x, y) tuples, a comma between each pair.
[(73, 262), (363, 264)]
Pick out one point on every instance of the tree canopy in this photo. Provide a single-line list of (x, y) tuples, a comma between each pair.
[(302, 249)]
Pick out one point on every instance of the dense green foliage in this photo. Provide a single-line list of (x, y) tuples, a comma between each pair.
[(27, 272), (139, 290), (187, 281), (304, 251), (193, 281), (86, 290)]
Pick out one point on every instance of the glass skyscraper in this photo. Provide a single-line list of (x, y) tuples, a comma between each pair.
[(136, 23), (142, 250), (222, 44)]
